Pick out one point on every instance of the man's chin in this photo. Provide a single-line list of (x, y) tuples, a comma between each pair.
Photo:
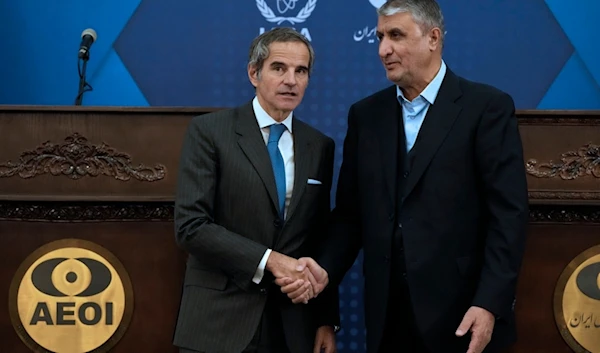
[(288, 106), (393, 77)]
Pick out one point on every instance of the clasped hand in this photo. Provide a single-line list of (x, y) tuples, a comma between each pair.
[(302, 279)]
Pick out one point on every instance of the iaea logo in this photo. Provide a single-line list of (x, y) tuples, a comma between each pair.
[(377, 3), (283, 6)]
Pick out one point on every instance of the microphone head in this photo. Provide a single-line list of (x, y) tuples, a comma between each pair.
[(89, 32)]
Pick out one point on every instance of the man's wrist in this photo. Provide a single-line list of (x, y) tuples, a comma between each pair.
[(273, 261)]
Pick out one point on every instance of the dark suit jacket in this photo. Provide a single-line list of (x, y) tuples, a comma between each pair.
[(463, 213), (226, 216)]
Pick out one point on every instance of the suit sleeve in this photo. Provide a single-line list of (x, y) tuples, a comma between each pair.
[(502, 172), (195, 229), (344, 241), (327, 306)]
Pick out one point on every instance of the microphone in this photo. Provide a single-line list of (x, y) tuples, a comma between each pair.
[(88, 37)]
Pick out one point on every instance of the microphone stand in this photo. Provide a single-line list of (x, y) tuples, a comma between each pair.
[(83, 85)]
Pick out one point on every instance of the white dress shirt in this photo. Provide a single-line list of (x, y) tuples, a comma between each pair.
[(286, 147)]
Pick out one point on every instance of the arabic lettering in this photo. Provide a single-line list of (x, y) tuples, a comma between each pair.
[(588, 320), (367, 33)]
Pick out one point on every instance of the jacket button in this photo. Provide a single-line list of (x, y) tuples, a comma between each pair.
[(400, 225), (277, 223), (263, 290)]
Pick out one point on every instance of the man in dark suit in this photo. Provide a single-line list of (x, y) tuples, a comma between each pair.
[(252, 198), (433, 189)]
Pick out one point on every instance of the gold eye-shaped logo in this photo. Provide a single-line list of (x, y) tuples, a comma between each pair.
[(577, 302), (61, 277), (71, 296)]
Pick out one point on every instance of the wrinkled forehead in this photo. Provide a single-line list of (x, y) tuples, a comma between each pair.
[(289, 53)]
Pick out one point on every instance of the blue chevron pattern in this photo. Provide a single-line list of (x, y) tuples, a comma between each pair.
[(44, 38), (578, 85)]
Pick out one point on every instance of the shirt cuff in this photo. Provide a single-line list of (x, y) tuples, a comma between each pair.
[(260, 271)]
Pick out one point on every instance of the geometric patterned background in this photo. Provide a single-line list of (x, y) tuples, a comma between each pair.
[(544, 53), (579, 80), (193, 53)]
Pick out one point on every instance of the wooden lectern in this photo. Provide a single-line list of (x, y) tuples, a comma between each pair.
[(108, 175)]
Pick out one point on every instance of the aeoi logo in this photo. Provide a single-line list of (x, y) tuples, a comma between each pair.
[(71, 296), (577, 302), (284, 8)]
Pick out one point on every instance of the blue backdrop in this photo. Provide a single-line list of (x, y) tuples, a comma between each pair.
[(193, 53)]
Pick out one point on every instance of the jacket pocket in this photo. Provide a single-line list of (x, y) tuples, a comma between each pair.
[(203, 278), (313, 188)]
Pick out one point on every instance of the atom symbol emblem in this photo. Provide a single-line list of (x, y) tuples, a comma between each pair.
[(284, 6)]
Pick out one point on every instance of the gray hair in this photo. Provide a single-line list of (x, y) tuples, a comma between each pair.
[(426, 13), (259, 49)]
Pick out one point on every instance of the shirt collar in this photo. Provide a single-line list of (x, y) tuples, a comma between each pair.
[(430, 92), (265, 120)]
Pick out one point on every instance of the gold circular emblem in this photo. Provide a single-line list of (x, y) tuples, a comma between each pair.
[(71, 296), (577, 302)]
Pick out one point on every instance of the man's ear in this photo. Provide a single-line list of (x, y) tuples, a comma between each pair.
[(435, 38), (253, 75)]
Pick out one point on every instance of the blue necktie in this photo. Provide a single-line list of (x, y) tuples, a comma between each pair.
[(276, 130)]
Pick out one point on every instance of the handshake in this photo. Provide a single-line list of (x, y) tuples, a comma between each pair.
[(301, 279)]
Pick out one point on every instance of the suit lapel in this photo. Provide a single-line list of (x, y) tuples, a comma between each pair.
[(438, 122), (390, 115), (253, 145), (302, 154)]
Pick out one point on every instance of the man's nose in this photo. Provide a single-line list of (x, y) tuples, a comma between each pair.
[(290, 78), (385, 48)]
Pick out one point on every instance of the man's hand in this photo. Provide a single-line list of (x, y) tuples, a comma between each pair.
[(481, 324), (295, 273), (320, 275), (293, 288), (325, 340)]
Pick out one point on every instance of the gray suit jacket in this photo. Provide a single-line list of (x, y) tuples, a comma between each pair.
[(226, 217)]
